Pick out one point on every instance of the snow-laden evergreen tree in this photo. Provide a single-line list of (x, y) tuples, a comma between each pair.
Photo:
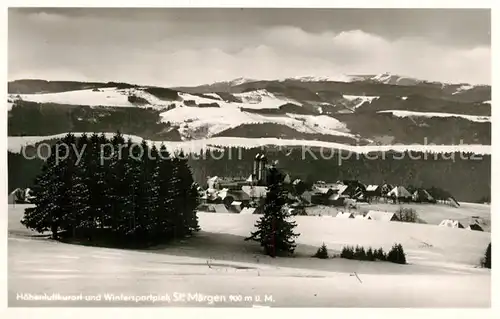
[(322, 252), (165, 201), (46, 214), (189, 196), (486, 262), (158, 208), (66, 169), (146, 196), (176, 203), (95, 177), (114, 179), (126, 190), (135, 175), (104, 155), (275, 230), (396, 254), (79, 191), (129, 185)]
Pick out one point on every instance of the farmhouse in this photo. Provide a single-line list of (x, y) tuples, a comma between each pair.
[(373, 191), (231, 183), (422, 196), (399, 193), (385, 189), (453, 202), (451, 223), (333, 196), (353, 188), (475, 227), (16, 196), (236, 207), (381, 216)]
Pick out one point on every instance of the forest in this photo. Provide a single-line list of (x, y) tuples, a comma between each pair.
[(128, 194)]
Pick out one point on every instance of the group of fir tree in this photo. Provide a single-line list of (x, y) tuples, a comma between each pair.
[(131, 192)]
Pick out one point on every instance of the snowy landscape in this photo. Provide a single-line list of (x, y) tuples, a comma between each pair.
[(443, 269)]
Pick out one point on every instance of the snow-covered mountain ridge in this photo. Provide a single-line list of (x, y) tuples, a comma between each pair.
[(363, 111)]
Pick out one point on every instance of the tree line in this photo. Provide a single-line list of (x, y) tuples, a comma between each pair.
[(117, 193)]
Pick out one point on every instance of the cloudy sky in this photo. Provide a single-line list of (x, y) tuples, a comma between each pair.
[(173, 47)]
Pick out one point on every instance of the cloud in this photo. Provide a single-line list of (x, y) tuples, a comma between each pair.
[(173, 53)]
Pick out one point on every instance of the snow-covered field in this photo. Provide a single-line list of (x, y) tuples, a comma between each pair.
[(216, 120), (15, 144), (103, 97), (432, 214), (473, 118), (211, 121), (441, 272)]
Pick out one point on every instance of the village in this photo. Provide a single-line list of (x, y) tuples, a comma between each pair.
[(346, 199)]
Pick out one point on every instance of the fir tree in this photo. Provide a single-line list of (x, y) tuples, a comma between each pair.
[(79, 192), (46, 214), (104, 155), (163, 180), (274, 229), (114, 179), (95, 179), (123, 188), (66, 169), (188, 194), (380, 254), (370, 254), (396, 255), (359, 253), (134, 190), (487, 257), (322, 252), (347, 252), (146, 195), (178, 195)]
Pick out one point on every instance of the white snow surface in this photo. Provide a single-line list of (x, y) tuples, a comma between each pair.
[(16, 143), (215, 120), (214, 95), (473, 118), (262, 99), (112, 97), (211, 121), (441, 269)]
